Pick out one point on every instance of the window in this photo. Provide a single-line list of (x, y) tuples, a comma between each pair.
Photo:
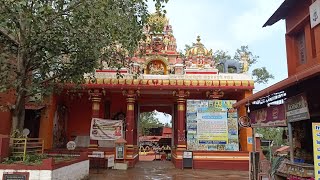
[(301, 47)]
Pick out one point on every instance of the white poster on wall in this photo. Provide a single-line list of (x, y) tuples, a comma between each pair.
[(314, 10), (103, 129)]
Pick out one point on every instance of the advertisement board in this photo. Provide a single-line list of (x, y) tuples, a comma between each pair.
[(273, 116), (297, 108), (316, 149), (212, 125), (103, 129)]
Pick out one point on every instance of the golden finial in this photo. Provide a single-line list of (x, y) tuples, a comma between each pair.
[(198, 39)]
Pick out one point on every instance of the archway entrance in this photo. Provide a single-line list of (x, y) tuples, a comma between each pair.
[(155, 132)]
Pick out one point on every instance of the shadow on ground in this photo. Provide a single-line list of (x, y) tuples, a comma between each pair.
[(164, 170)]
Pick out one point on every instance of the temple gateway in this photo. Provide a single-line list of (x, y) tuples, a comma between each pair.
[(190, 88)]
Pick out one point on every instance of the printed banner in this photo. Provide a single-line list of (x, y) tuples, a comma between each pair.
[(273, 116), (316, 149), (212, 125), (102, 129)]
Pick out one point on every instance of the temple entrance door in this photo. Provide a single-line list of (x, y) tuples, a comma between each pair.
[(155, 131), (32, 122)]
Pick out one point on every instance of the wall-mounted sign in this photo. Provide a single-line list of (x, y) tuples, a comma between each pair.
[(316, 148), (110, 161), (314, 11), (120, 152), (15, 176), (212, 125), (297, 108), (97, 154), (273, 116), (187, 154), (249, 140), (102, 129)]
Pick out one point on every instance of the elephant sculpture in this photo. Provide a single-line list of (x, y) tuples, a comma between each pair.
[(231, 63)]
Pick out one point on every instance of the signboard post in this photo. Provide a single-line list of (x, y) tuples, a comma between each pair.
[(316, 149), (187, 159)]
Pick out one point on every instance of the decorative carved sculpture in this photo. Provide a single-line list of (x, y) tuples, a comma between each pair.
[(166, 42), (231, 63), (245, 65)]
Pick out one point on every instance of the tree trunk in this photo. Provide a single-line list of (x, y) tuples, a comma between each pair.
[(18, 113)]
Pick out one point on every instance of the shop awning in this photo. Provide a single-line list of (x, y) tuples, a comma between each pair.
[(299, 77)]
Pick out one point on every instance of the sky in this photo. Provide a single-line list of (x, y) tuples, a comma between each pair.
[(229, 24)]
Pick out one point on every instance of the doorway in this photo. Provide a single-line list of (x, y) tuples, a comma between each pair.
[(155, 132), (32, 122)]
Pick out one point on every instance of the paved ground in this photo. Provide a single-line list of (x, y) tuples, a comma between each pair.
[(164, 170)]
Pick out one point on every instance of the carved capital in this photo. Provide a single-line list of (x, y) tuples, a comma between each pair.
[(215, 94), (131, 94), (96, 94), (181, 94)]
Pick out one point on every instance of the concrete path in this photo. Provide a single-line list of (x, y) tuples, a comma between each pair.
[(164, 170)]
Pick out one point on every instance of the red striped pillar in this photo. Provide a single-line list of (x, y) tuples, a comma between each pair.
[(181, 120), (96, 103), (130, 119)]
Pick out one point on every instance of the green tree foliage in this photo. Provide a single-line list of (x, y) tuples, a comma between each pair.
[(58, 41), (274, 134), (262, 75), (148, 120)]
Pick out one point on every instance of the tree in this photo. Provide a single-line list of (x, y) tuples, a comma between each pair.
[(58, 41), (261, 75), (148, 120), (274, 134)]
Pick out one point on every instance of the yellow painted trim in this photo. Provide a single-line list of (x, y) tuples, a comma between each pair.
[(187, 82), (165, 82), (208, 83), (100, 81), (180, 107), (130, 107), (201, 82), (223, 83), (129, 81), (173, 82), (230, 83), (179, 82), (244, 83)]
